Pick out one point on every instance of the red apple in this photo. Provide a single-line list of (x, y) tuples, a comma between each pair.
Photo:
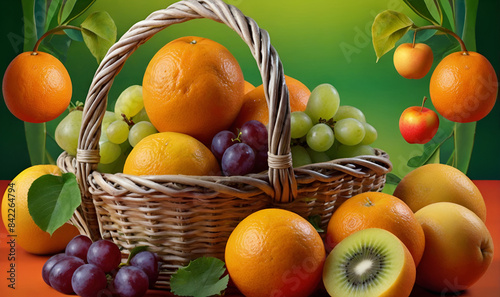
[(418, 124), (413, 61)]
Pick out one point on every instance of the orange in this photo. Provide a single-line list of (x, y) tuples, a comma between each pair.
[(377, 210), (255, 104), (275, 252), (248, 87), (433, 183), (29, 236), (36, 87), (464, 87), (193, 86), (170, 153)]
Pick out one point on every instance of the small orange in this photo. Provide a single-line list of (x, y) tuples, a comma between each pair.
[(275, 252), (248, 87), (29, 236), (464, 87), (255, 104), (36, 87), (377, 210), (170, 153), (194, 86)]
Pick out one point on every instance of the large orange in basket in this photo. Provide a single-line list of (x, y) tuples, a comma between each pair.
[(194, 86)]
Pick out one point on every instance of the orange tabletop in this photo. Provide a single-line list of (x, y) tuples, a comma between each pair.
[(28, 277)]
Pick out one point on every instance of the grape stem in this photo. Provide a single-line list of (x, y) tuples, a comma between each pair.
[(445, 30), (53, 31), (129, 122)]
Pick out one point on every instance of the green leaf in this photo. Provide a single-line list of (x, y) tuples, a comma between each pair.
[(75, 35), (99, 33), (388, 27), (53, 7), (57, 45), (464, 142), (431, 149), (35, 139), (30, 35), (65, 10), (78, 9), (40, 16), (422, 36), (52, 200), (392, 179), (420, 8), (447, 14), (316, 222), (201, 278)]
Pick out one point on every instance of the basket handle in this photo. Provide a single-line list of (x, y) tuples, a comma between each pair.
[(281, 176)]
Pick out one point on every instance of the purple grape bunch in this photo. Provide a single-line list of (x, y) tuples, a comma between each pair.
[(243, 153), (91, 269)]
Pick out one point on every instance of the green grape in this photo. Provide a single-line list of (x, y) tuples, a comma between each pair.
[(332, 151), (317, 157), (347, 151), (323, 103), (108, 118), (300, 157), (346, 111), (349, 131), (370, 134), (129, 102), (68, 130), (117, 131), (141, 116), (300, 124), (320, 138), (109, 152), (113, 167), (139, 131)]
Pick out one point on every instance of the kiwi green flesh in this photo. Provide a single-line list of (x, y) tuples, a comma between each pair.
[(366, 263)]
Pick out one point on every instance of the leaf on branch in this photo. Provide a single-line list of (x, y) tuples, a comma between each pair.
[(52, 200), (388, 27), (444, 133), (99, 33), (201, 278), (77, 10), (420, 8)]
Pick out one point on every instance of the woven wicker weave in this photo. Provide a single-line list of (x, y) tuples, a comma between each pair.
[(184, 217)]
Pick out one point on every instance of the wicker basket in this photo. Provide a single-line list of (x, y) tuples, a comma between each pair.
[(184, 217)]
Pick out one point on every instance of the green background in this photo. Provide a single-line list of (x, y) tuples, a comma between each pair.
[(327, 41)]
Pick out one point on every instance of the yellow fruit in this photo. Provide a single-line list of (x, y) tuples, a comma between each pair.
[(29, 236), (171, 153), (458, 247), (275, 252), (413, 61), (433, 183)]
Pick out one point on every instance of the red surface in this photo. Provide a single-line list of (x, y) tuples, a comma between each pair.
[(28, 279)]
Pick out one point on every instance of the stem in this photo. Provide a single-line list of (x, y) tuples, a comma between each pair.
[(447, 31), (414, 38), (52, 31), (423, 102)]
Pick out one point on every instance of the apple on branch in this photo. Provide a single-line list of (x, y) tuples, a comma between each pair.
[(418, 124)]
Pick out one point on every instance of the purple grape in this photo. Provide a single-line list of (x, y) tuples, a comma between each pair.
[(254, 133), (62, 272), (78, 247), (260, 162), (238, 159), (221, 142), (49, 264), (104, 254), (130, 281), (89, 281), (147, 261)]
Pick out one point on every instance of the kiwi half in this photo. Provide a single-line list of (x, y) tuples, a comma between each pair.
[(370, 262)]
